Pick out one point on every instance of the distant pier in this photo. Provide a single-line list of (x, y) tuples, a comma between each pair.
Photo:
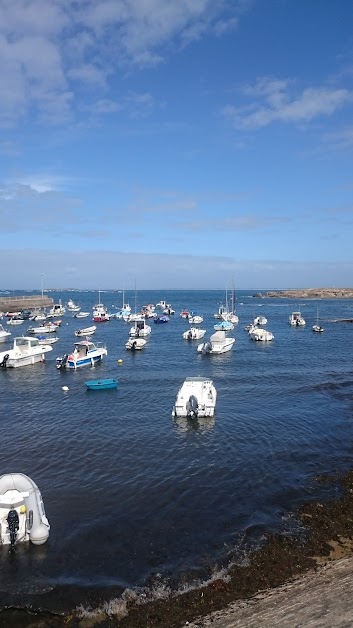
[(31, 302)]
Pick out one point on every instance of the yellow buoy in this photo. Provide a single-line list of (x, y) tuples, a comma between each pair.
[(120, 361)]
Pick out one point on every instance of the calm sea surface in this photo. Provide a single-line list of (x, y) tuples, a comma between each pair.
[(139, 500)]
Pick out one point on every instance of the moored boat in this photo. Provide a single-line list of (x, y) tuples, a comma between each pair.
[(26, 351), (85, 353), (196, 398), (22, 514), (296, 319), (44, 328), (259, 334), (224, 325), (218, 343), (4, 335), (135, 344), (86, 331), (161, 319), (101, 384), (194, 333), (47, 340)]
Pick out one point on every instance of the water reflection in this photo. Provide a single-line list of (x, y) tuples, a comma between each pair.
[(185, 424)]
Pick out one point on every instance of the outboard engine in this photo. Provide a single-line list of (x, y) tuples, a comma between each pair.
[(192, 407), (61, 362), (4, 360), (14, 524), (206, 347)]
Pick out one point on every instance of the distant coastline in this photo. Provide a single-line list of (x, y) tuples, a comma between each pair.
[(310, 293)]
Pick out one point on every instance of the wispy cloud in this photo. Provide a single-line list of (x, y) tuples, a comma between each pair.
[(50, 49), (246, 222), (271, 100), (339, 140)]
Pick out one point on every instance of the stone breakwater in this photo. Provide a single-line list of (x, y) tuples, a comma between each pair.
[(311, 293)]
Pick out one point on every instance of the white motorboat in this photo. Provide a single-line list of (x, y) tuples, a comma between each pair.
[(221, 311), (26, 351), (296, 319), (81, 315), (85, 353), (259, 334), (224, 325), (4, 335), (140, 328), (86, 331), (135, 344), (72, 306), (260, 320), (218, 343), (38, 316), (196, 398), (57, 310), (15, 321), (195, 319), (22, 514), (47, 340), (44, 328), (194, 333)]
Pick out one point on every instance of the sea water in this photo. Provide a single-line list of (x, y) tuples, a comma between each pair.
[(141, 501)]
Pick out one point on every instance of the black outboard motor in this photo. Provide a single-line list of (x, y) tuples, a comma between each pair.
[(14, 524), (61, 362), (4, 360), (192, 407)]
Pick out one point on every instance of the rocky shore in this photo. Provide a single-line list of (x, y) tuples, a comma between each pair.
[(310, 293), (280, 562)]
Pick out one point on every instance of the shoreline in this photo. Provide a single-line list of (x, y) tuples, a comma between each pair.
[(280, 561), (309, 293)]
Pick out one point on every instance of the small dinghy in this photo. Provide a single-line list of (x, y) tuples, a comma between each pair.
[(22, 514), (101, 384), (86, 331), (196, 398)]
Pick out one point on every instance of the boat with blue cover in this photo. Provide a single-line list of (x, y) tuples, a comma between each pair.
[(101, 384)]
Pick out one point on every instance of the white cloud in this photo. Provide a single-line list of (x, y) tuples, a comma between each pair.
[(275, 101), (50, 49), (339, 140)]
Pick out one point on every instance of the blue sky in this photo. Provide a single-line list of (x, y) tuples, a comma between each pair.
[(178, 144)]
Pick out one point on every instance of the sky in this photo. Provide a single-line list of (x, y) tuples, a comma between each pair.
[(180, 144)]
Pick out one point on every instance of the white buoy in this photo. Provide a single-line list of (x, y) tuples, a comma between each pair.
[(65, 388)]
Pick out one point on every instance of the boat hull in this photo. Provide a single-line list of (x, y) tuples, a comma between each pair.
[(196, 398), (101, 384), (19, 491), (89, 360)]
